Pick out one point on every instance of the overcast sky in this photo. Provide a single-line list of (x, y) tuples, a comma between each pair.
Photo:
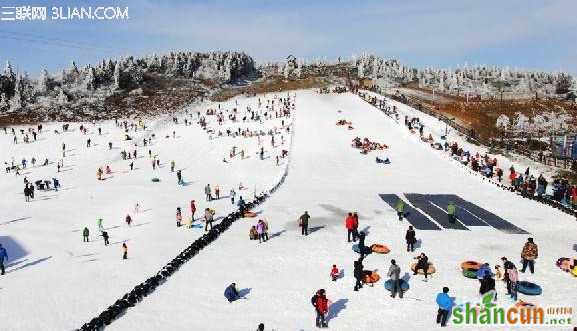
[(525, 34)]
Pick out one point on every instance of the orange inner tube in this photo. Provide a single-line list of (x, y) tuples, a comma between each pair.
[(524, 304), (430, 270), (372, 278), (249, 214), (471, 265), (381, 249)]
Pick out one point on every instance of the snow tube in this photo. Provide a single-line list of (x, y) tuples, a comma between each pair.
[(155, 180), (529, 288), (389, 285), (249, 214), (470, 265), (522, 304), (574, 271), (564, 263), (380, 249), (470, 273), (372, 278), (430, 270)]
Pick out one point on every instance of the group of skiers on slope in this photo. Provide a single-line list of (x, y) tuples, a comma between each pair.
[(259, 231)]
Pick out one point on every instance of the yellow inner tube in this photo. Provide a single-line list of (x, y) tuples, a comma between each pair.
[(430, 270)]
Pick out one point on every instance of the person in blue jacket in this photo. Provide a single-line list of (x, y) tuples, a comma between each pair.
[(230, 293), (445, 304), (3, 255), (483, 271), (241, 204)]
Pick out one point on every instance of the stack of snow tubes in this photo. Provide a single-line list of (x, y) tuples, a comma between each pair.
[(143, 289)]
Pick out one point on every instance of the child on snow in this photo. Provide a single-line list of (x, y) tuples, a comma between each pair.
[(334, 273)]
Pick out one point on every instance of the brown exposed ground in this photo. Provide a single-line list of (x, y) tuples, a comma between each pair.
[(481, 115)]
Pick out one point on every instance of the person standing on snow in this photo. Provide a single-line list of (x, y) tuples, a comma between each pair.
[(128, 219), (99, 224), (124, 251), (172, 165), (394, 274), (105, 237), (192, 209), (208, 192), (334, 273), (321, 304), (445, 304), (241, 205), (349, 225), (358, 274), (355, 226), (529, 254), (400, 209), (178, 217), (304, 223), (452, 212), (411, 239), (232, 195), (507, 265), (179, 177), (85, 234), (208, 218), (217, 192), (3, 256)]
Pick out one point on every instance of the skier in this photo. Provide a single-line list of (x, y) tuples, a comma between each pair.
[(232, 195), (3, 256), (304, 223), (334, 273), (321, 304), (128, 219), (400, 209), (85, 234), (124, 251), (445, 304), (231, 293), (451, 212), (411, 239), (394, 274), (105, 237), (349, 225), (529, 253), (358, 274), (178, 217), (99, 224)]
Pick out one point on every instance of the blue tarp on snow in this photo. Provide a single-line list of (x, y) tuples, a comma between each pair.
[(439, 215), (416, 218)]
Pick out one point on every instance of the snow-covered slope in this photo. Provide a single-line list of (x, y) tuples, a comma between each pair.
[(328, 178), (54, 281), (60, 283)]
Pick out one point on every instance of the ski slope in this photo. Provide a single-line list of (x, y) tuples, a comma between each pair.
[(59, 283), (328, 178), (53, 280)]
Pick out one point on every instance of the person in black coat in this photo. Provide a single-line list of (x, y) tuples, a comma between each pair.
[(363, 250), (422, 263), (507, 265), (487, 284), (411, 239), (358, 273)]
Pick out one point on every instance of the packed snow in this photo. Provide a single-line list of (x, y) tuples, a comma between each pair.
[(54, 281)]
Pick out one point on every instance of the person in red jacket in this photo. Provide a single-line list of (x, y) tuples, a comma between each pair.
[(334, 273), (355, 226), (321, 304), (192, 209), (350, 225)]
